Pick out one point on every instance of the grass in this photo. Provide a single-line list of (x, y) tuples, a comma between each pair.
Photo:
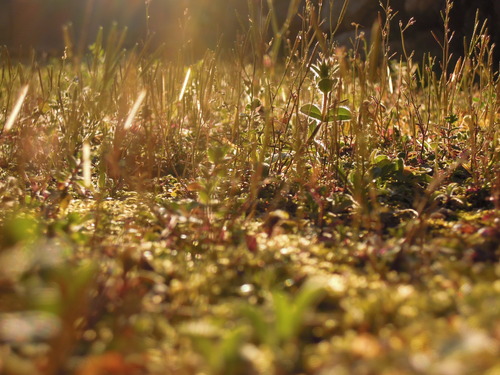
[(296, 208)]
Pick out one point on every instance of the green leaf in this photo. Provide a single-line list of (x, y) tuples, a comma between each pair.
[(326, 85), (17, 229), (312, 111), (381, 160), (284, 314), (342, 113), (217, 154), (231, 344), (400, 164), (203, 197), (309, 295), (259, 324)]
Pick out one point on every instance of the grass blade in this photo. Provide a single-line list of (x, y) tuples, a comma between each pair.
[(184, 84), (17, 108), (86, 164), (135, 108)]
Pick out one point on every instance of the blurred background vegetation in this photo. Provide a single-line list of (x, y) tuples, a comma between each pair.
[(194, 25), (38, 24)]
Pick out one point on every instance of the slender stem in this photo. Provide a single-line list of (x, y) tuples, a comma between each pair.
[(324, 116)]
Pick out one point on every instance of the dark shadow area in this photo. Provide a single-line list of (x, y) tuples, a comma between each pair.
[(195, 25)]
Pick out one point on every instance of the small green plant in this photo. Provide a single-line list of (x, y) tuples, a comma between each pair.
[(221, 350), (279, 328), (325, 72)]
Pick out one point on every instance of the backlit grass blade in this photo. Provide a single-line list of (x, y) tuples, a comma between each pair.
[(184, 85), (86, 166), (15, 111), (135, 108)]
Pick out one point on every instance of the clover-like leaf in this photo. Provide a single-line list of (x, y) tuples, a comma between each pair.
[(312, 111), (341, 113)]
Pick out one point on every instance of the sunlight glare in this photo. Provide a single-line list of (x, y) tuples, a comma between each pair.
[(13, 115)]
